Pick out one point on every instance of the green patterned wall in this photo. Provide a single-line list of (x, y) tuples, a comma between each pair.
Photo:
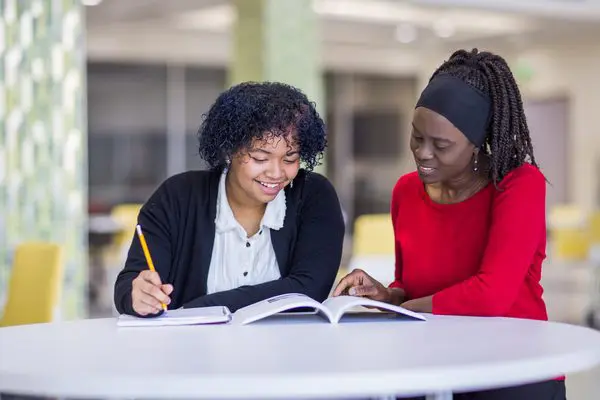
[(292, 47), (43, 167), (278, 40)]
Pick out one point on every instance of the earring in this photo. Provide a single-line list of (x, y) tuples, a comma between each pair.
[(291, 184), (476, 164), (227, 163)]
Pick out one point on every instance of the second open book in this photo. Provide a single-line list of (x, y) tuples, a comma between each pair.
[(332, 309)]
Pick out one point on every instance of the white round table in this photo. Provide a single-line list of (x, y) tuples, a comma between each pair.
[(287, 357)]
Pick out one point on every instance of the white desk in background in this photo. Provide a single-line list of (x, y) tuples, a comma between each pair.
[(303, 357)]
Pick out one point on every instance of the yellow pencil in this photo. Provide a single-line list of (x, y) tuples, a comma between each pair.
[(140, 234)]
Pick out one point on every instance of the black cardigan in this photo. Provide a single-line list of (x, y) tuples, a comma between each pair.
[(179, 225)]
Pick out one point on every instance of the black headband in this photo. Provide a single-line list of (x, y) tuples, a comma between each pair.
[(467, 108)]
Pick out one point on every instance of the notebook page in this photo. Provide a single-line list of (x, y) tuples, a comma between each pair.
[(182, 316)]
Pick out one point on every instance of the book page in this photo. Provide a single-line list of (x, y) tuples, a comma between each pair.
[(341, 304), (337, 306), (275, 305)]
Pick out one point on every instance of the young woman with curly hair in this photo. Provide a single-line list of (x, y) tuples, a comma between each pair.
[(255, 225)]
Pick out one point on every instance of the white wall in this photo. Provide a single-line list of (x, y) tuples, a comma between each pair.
[(572, 71)]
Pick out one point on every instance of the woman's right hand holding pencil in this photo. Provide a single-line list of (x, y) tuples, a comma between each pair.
[(148, 293)]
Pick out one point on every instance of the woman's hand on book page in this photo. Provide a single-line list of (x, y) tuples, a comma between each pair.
[(148, 293), (359, 283)]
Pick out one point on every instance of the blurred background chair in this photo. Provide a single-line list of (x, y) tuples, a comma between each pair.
[(373, 246), (34, 285), (569, 232), (109, 237), (126, 216)]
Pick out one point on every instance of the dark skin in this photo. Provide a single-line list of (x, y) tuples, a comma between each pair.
[(452, 170)]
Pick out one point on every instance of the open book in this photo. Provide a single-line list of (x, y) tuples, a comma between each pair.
[(333, 309), (182, 316)]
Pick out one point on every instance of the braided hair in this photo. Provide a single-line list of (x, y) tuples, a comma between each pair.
[(507, 143)]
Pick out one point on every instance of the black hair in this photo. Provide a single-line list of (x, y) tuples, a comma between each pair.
[(507, 143), (251, 110)]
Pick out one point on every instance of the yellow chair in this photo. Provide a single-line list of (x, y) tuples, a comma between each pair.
[(569, 232), (594, 227), (373, 246), (373, 234), (126, 215), (35, 284)]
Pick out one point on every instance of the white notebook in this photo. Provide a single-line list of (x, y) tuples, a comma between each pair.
[(182, 316)]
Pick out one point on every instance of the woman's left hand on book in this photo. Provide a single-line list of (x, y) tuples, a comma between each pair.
[(359, 283)]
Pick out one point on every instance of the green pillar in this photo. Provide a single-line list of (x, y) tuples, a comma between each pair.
[(278, 40), (43, 142)]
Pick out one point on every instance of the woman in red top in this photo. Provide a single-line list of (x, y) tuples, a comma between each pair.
[(470, 223)]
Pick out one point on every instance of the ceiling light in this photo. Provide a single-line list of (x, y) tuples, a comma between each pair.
[(371, 10), (91, 3), (444, 22), (406, 33), (444, 28), (217, 18)]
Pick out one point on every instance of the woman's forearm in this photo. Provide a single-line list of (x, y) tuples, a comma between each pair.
[(423, 304)]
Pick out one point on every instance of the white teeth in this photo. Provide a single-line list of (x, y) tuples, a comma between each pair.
[(269, 185)]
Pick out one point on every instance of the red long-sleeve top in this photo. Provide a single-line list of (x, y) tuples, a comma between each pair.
[(479, 257)]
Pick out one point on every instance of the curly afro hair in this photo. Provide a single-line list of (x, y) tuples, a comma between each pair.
[(252, 110)]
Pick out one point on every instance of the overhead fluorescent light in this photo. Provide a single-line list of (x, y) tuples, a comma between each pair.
[(444, 28), (217, 18), (394, 12), (370, 10), (220, 17), (406, 33)]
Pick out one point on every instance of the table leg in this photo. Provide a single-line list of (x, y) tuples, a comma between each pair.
[(440, 396)]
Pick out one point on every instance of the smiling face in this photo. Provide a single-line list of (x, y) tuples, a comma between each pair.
[(260, 173), (441, 151)]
